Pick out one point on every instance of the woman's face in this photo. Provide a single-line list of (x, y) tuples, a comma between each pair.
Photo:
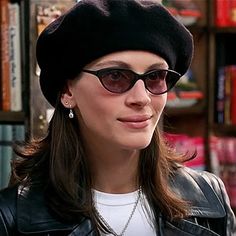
[(126, 120)]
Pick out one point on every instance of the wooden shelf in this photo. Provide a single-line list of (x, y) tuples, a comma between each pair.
[(12, 117), (223, 129), (224, 29), (197, 109)]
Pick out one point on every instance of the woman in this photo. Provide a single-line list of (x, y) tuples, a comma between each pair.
[(103, 168)]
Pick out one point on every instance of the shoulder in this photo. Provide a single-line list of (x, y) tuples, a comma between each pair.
[(201, 178), (8, 199), (23, 209), (206, 181), (197, 179), (206, 194), (204, 191)]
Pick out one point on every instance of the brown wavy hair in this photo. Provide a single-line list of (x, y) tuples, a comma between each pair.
[(58, 163)]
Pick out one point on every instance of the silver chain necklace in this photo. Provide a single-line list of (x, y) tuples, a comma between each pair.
[(128, 221)]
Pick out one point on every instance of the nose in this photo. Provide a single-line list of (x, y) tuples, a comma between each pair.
[(138, 95)]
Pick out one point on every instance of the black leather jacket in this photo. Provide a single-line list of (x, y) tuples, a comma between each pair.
[(23, 212)]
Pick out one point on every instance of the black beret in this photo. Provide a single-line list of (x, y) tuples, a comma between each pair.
[(94, 28)]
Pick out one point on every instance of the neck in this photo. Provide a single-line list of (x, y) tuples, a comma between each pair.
[(114, 172)]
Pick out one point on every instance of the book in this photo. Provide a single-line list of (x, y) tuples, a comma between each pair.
[(186, 12), (18, 135), (225, 150), (47, 12), (232, 12), (6, 154), (220, 96), (232, 186), (5, 66), (227, 95), (18, 132), (185, 93), (0, 60), (15, 57), (198, 162), (182, 144), (213, 151), (233, 94), (225, 13), (221, 13), (1, 156)]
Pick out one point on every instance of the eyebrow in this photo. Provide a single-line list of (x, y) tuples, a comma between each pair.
[(160, 65), (128, 66), (114, 63)]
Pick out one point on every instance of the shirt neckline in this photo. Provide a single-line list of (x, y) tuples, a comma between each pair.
[(115, 199)]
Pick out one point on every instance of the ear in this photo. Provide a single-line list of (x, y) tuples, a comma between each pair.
[(67, 98)]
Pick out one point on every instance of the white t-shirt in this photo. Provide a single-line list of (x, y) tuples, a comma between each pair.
[(116, 210)]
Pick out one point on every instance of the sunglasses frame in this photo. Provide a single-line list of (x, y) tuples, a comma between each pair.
[(170, 84)]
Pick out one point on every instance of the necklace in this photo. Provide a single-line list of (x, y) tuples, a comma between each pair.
[(128, 221)]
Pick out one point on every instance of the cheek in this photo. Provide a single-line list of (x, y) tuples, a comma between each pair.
[(159, 102), (83, 95), (92, 110), (87, 106), (95, 117)]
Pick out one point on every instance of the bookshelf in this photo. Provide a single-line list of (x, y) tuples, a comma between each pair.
[(38, 18), (13, 84), (222, 43), (192, 120), (12, 117), (214, 48)]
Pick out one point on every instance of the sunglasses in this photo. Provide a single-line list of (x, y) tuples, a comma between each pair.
[(117, 80)]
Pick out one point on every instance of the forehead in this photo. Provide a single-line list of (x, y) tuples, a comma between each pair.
[(130, 59)]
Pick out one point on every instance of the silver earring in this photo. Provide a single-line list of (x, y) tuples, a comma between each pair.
[(71, 114)]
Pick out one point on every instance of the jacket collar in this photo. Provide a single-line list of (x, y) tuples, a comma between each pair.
[(34, 216)]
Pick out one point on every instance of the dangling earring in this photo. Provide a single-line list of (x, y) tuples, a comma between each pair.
[(71, 114)]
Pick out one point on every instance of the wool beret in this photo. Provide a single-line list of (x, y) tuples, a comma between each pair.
[(94, 28)]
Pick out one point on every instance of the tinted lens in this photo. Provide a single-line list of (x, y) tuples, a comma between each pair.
[(117, 81), (156, 81), (160, 81)]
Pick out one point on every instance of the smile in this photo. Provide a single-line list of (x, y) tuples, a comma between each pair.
[(136, 122)]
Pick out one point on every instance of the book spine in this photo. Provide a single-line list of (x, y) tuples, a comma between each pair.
[(233, 95), (0, 58), (183, 143), (227, 96), (1, 143), (232, 187), (222, 13), (232, 12), (18, 135), (15, 57), (220, 96), (5, 67), (6, 154), (18, 132), (198, 162), (225, 150), (214, 155)]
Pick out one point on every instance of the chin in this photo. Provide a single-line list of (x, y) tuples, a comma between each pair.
[(137, 144)]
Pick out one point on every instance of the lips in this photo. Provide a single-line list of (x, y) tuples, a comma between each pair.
[(136, 121), (135, 118)]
